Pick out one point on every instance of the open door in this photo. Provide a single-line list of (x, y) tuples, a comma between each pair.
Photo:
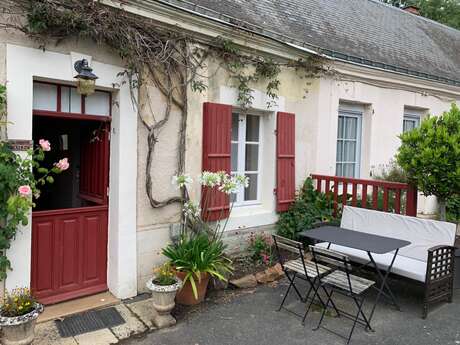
[(94, 167), (70, 222)]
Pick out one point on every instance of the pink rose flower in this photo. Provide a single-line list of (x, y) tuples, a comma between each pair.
[(45, 145), (25, 190), (63, 164)]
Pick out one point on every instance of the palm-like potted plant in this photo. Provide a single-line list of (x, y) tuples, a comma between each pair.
[(197, 258), (164, 286), (18, 315)]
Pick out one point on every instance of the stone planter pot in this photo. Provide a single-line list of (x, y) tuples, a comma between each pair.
[(163, 302), (20, 330), (185, 295)]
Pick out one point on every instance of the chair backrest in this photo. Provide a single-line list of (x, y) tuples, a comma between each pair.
[(422, 233), (332, 259), (291, 246), (287, 244)]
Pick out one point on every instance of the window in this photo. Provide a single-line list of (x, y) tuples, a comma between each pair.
[(245, 156), (410, 122), (348, 143), (51, 98)]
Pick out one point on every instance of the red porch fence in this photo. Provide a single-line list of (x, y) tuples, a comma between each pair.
[(384, 196)]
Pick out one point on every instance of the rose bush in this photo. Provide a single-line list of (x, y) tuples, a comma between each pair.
[(20, 178)]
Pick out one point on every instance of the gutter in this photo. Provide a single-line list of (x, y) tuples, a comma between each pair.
[(195, 9)]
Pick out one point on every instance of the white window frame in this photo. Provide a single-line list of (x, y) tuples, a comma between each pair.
[(242, 158), (413, 117), (359, 116)]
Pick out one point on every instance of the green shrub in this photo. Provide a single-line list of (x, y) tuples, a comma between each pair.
[(309, 207), (430, 156), (453, 209)]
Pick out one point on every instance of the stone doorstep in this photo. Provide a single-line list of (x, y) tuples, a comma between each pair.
[(77, 306), (138, 316)]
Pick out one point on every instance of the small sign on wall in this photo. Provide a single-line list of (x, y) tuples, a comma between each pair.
[(20, 145)]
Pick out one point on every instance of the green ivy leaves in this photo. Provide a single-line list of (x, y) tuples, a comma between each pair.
[(246, 69)]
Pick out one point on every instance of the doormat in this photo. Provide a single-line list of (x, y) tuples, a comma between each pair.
[(89, 321)]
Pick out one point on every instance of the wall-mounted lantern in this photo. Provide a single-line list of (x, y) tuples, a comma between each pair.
[(86, 79)]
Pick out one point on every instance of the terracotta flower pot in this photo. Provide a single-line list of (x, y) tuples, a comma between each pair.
[(185, 295), (20, 330), (163, 302)]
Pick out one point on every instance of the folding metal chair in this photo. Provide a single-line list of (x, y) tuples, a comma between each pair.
[(299, 268), (344, 283)]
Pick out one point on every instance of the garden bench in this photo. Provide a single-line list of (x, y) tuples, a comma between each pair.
[(429, 258)]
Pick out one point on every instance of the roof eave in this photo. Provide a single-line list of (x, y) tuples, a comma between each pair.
[(332, 55)]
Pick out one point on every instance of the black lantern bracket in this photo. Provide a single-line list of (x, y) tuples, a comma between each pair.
[(84, 71)]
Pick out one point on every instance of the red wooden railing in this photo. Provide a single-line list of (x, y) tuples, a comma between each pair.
[(397, 197)]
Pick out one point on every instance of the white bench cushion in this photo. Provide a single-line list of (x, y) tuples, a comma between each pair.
[(404, 266), (422, 233)]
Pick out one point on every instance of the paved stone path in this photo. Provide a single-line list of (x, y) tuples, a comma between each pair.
[(251, 319)]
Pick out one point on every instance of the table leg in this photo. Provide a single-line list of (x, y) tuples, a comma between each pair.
[(384, 285)]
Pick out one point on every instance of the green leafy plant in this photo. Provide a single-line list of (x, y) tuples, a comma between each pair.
[(430, 156), (260, 249), (164, 274), (247, 69), (20, 179), (309, 207), (197, 254), (453, 209), (3, 121), (19, 302)]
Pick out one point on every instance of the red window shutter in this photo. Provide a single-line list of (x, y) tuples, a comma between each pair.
[(217, 128), (285, 161)]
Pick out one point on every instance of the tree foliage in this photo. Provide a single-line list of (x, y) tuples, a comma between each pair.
[(443, 11), (430, 156)]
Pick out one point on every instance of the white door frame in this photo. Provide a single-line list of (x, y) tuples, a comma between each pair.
[(23, 65)]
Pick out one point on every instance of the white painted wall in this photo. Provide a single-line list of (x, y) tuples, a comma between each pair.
[(25, 64), (382, 122)]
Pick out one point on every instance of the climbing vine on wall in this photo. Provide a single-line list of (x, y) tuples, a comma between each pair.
[(172, 59), (3, 121)]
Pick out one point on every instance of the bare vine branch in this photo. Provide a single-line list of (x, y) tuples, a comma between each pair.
[(172, 60)]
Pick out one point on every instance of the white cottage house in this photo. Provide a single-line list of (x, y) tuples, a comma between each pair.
[(96, 229)]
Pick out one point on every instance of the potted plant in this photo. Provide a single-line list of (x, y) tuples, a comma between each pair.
[(164, 286), (18, 315), (196, 257), (199, 253)]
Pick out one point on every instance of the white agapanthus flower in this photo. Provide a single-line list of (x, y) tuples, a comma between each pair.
[(230, 184), (242, 180), (191, 209), (181, 181), (210, 179)]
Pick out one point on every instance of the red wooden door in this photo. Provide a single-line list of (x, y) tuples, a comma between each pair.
[(69, 251), (69, 241)]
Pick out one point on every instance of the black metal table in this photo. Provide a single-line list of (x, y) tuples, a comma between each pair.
[(369, 243)]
